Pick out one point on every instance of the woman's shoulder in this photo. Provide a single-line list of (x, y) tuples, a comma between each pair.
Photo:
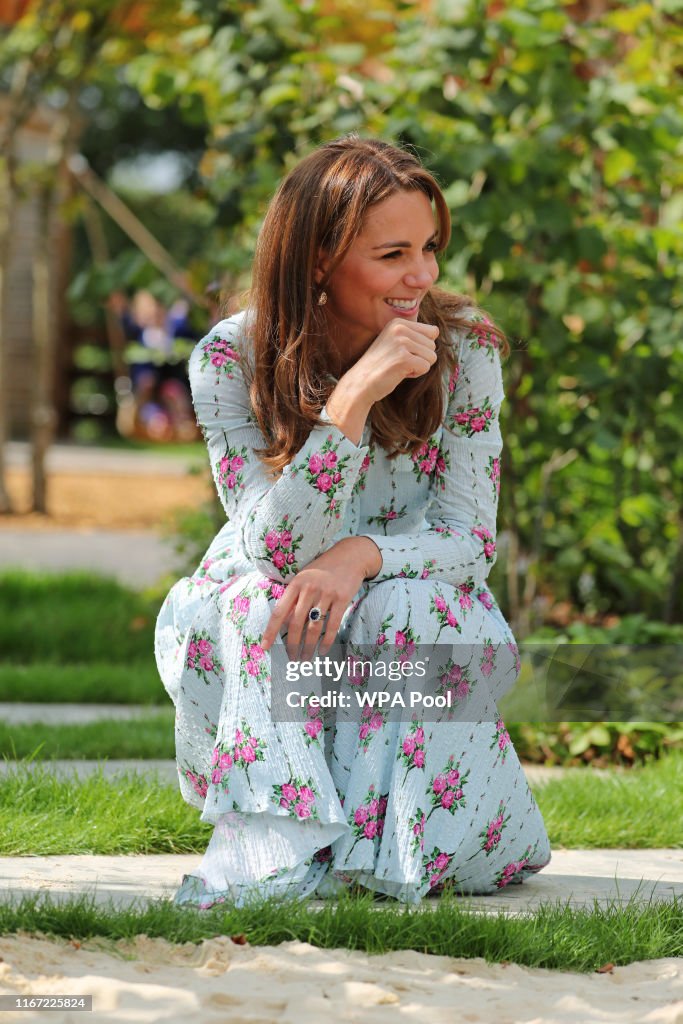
[(223, 349)]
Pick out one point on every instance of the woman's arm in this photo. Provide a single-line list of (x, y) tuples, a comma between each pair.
[(460, 545), (281, 524)]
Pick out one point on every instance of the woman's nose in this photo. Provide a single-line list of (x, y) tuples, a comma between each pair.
[(422, 277)]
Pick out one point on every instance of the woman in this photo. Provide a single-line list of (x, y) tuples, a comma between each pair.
[(351, 417)]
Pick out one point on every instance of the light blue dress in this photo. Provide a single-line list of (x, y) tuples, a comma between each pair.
[(311, 805)]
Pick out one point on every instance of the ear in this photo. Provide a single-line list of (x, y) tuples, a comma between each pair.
[(321, 266)]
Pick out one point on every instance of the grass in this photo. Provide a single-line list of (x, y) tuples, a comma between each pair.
[(74, 618), (99, 682), (194, 449), (144, 739), (555, 936), (42, 814)]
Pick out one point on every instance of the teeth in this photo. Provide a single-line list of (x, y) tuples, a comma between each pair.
[(402, 303)]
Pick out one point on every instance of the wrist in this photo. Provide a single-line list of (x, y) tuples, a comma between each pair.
[(348, 408), (368, 555)]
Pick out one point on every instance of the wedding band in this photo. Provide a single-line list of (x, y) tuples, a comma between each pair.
[(314, 614)]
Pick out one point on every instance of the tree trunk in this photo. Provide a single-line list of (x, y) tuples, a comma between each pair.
[(43, 416), (7, 207)]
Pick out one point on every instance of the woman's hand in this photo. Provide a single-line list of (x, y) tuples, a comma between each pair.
[(328, 582), (402, 349)]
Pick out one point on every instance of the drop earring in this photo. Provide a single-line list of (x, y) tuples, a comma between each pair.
[(322, 298)]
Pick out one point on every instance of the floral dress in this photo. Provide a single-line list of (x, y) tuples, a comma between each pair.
[(307, 805)]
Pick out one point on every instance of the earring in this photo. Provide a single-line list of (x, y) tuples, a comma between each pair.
[(322, 298)]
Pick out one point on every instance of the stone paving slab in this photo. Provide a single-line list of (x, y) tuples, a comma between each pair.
[(136, 558), (579, 878), (165, 771), (20, 713), (72, 458)]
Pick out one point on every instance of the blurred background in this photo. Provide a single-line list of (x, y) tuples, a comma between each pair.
[(140, 145)]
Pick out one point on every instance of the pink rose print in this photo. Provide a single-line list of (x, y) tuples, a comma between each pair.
[(362, 473), (492, 834), (388, 515), (488, 545), (372, 721), (227, 472), (280, 546), (416, 827), (453, 379), (444, 615), (412, 753), (324, 470), (297, 797), (434, 866), (219, 354), (481, 336), (471, 420), (493, 473), (313, 727), (253, 664), (201, 656), (367, 821), (487, 662), (446, 790), (199, 783), (515, 870), (501, 740), (431, 461)]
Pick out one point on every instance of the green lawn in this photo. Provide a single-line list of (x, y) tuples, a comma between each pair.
[(40, 814), (553, 937), (141, 739), (97, 682), (74, 619)]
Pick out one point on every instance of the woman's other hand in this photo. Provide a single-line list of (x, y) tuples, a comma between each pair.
[(329, 582)]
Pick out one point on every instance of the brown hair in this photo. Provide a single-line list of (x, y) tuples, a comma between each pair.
[(321, 204)]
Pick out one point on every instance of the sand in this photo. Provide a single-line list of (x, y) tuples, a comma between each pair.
[(295, 983)]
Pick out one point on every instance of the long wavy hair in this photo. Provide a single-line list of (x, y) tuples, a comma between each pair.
[(321, 204)]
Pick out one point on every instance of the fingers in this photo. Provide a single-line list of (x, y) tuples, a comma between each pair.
[(278, 618), (314, 631), (332, 628)]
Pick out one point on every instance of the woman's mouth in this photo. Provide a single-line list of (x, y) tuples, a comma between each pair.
[(404, 307)]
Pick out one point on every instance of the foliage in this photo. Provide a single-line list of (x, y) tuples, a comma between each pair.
[(555, 131), (597, 743), (556, 139)]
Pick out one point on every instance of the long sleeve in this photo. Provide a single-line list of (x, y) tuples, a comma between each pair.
[(459, 545), (282, 524)]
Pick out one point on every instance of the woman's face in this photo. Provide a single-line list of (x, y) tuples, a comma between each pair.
[(385, 274)]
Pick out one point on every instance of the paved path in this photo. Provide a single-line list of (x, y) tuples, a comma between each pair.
[(576, 877), (71, 458), (136, 558), (17, 713)]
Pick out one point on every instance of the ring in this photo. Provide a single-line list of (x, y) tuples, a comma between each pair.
[(314, 614)]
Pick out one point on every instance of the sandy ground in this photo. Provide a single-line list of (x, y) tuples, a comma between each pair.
[(296, 983), (117, 502)]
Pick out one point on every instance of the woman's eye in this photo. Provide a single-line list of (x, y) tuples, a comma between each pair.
[(391, 255), (431, 247)]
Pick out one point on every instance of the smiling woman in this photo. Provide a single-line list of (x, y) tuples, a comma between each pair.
[(351, 415)]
